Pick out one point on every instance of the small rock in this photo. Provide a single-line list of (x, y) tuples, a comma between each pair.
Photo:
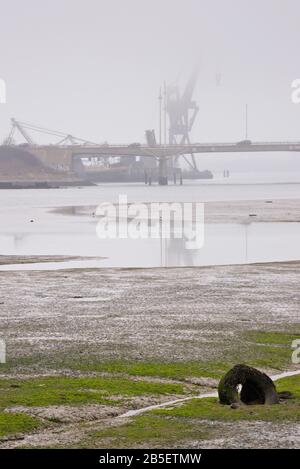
[(285, 395), (235, 405)]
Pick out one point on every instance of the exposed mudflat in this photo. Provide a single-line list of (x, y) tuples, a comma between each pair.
[(157, 314), (141, 314), (244, 435), (52, 318), (236, 211), (9, 260)]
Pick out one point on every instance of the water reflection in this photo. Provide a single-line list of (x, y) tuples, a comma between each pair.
[(223, 244)]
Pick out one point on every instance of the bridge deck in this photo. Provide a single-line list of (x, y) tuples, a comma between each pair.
[(171, 150)]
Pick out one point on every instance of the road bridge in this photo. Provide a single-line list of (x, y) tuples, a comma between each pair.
[(65, 156)]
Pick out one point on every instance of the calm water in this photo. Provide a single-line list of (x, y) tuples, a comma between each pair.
[(57, 234)]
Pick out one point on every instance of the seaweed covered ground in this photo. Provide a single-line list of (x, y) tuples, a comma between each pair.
[(86, 346)]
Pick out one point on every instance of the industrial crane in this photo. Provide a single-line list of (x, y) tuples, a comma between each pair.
[(23, 127), (182, 111)]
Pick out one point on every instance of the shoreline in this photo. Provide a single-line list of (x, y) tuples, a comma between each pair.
[(13, 185), (16, 260), (256, 211), (135, 308)]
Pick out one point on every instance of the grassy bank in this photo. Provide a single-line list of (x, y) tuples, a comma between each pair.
[(180, 425), (123, 385)]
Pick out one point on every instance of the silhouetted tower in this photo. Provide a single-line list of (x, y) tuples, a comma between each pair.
[(182, 111)]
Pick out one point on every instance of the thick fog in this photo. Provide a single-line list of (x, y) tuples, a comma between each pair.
[(93, 68)]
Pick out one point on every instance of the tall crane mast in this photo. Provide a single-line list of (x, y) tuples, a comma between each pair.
[(182, 111)]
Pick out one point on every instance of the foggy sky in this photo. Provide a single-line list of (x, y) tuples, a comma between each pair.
[(93, 68)]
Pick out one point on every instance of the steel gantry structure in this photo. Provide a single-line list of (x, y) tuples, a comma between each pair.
[(70, 149)]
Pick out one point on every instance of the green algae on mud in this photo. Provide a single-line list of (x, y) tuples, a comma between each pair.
[(196, 314), (272, 349), (172, 370), (78, 391), (22, 394), (189, 421), (273, 338), (163, 427), (147, 430), (13, 424), (210, 408), (266, 350)]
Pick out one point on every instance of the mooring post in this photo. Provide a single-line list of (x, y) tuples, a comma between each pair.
[(162, 171)]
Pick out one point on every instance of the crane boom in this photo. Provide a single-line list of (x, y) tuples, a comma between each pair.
[(17, 125)]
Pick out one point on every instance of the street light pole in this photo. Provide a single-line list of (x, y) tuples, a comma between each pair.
[(160, 110), (165, 113)]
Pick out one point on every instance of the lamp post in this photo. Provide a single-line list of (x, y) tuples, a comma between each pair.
[(160, 110)]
